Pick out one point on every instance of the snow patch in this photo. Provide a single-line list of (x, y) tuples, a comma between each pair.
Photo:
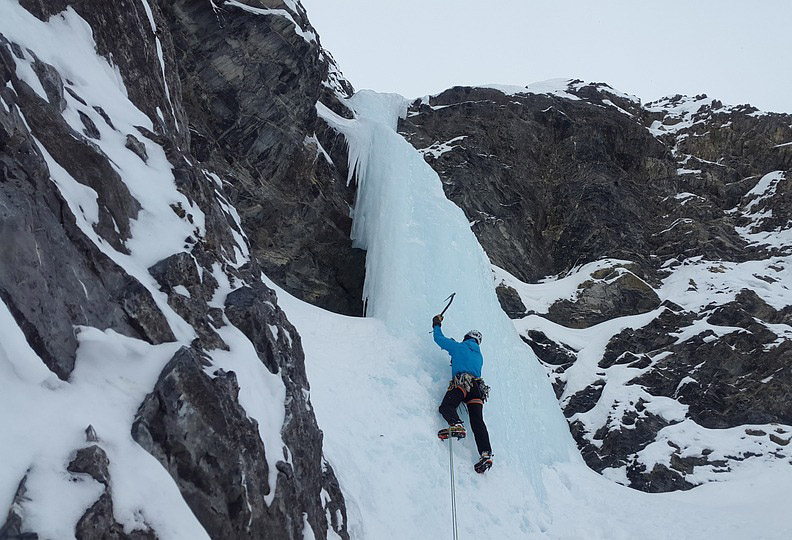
[(307, 35), (182, 290), (437, 149), (313, 140)]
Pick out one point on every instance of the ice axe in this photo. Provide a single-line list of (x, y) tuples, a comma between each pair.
[(450, 300)]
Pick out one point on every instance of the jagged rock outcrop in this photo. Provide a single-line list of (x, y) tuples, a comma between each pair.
[(510, 301), (12, 527), (193, 424), (252, 310), (610, 293), (98, 521)]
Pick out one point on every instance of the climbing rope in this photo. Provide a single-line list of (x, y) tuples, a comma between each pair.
[(453, 491)]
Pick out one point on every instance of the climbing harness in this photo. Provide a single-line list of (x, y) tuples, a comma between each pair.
[(465, 382)]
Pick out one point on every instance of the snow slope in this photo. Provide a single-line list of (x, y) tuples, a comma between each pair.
[(376, 383)]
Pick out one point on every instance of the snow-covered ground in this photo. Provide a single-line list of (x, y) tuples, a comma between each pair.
[(375, 394)]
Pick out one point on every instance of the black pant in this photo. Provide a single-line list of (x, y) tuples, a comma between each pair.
[(475, 407)]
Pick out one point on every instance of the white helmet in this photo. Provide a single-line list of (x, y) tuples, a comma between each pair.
[(473, 334)]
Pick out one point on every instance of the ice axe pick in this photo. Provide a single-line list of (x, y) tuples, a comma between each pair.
[(450, 300)]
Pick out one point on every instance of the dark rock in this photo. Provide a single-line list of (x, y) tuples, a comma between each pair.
[(85, 162), (181, 269), (76, 96), (653, 337), (740, 389), (548, 351), (642, 362), (122, 32), (93, 462), (52, 276), (754, 306), (253, 311), (605, 298), (98, 523), (102, 113), (51, 82), (642, 428), (136, 147), (778, 440), (193, 424), (12, 528), (90, 434), (585, 400), (144, 314), (624, 358), (90, 129), (686, 465), (510, 301), (253, 100), (550, 183), (660, 479)]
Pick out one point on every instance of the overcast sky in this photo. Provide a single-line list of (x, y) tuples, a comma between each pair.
[(736, 51)]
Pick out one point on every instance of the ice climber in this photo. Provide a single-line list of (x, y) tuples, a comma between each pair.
[(466, 386)]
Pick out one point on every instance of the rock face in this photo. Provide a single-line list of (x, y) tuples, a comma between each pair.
[(672, 221), (742, 385), (193, 424), (251, 84), (36, 220), (218, 106), (548, 183)]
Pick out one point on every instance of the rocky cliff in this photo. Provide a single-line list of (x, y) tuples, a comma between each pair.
[(656, 238), (156, 159)]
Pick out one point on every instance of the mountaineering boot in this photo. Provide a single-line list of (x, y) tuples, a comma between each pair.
[(484, 463), (456, 430)]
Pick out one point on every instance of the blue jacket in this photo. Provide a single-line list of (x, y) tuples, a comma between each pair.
[(465, 357)]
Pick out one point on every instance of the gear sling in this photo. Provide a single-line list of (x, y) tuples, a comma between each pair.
[(471, 390)]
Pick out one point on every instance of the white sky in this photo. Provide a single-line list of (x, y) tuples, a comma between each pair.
[(735, 51)]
